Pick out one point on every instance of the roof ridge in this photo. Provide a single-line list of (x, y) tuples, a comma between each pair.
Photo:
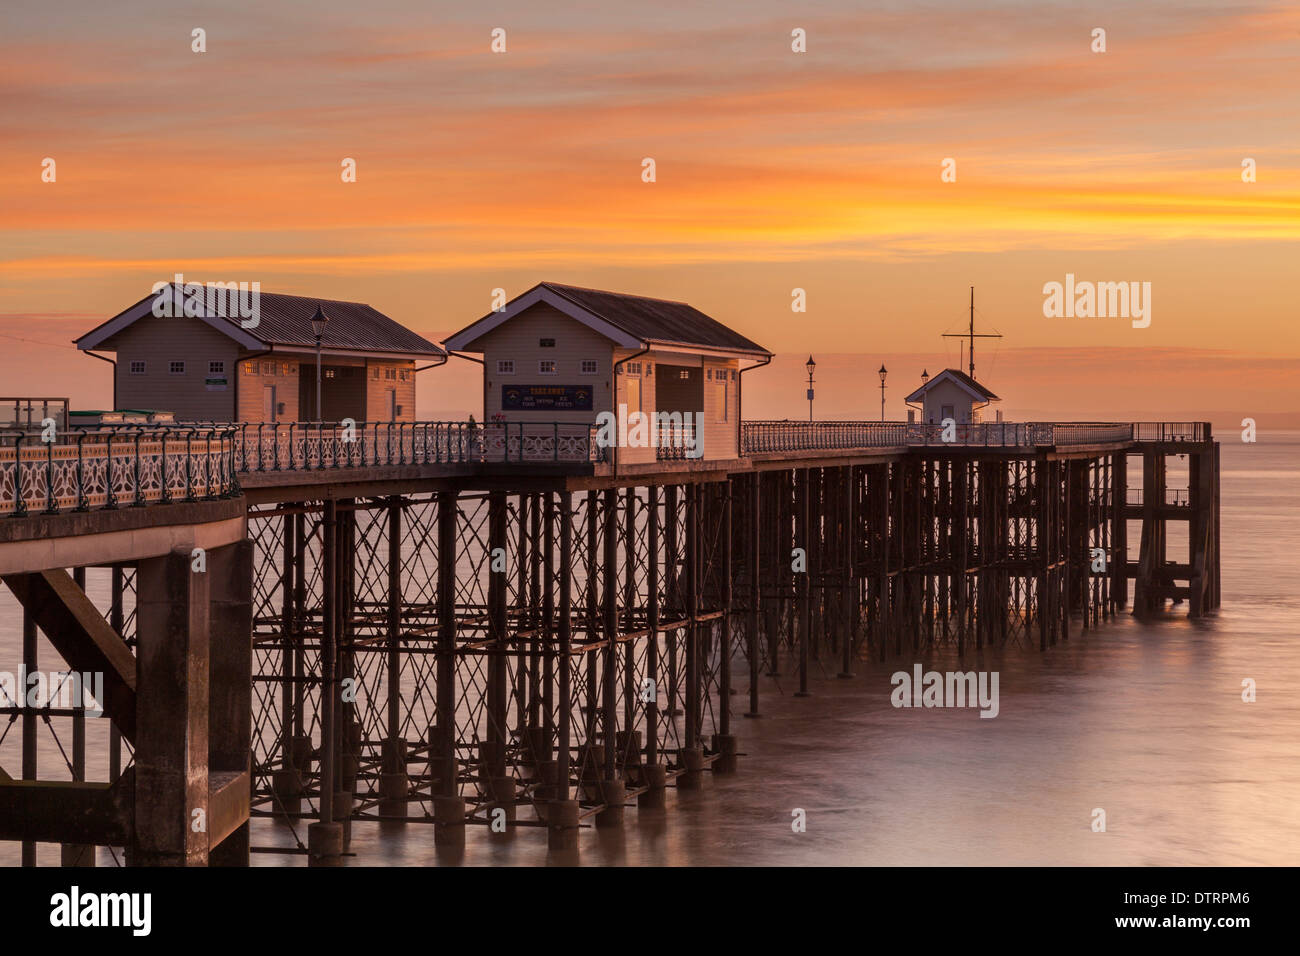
[(287, 295), (620, 295)]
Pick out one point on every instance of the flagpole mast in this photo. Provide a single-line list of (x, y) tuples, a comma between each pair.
[(972, 332)]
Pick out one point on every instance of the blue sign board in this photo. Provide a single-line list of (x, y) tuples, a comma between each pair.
[(535, 398)]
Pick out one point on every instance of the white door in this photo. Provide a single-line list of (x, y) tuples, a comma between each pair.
[(268, 403), (392, 404)]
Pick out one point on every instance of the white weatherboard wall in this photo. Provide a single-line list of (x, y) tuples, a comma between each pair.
[(159, 341), (646, 378), (947, 393), (518, 341)]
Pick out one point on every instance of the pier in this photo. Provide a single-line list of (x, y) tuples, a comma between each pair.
[(501, 625)]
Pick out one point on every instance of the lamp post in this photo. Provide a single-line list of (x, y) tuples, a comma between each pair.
[(318, 323), (883, 372), (810, 366)]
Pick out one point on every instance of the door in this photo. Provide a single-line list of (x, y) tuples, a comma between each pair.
[(392, 404), (946, 412), (268, 403)]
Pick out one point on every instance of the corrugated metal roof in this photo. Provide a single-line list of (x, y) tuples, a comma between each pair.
[(285, 320), (657, 320)]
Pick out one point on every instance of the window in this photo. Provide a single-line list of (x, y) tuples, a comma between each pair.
[(505, 367), (137, 368), (405, 376), (649, 369), (589, 367), (684, 374), (708, 375), (390, 374), (546, 367), (268, 368), (633, 368), (375, 372), (329, 373), (546, 343), (733, 374), (251, 368), (176, 368), (216, 368)]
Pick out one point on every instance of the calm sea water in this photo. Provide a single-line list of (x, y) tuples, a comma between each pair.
[(1144, 721)]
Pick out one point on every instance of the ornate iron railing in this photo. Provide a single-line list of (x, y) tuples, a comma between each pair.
[(760, 437), (1172, 431), (114, 467), (675, 441), (311, 446)]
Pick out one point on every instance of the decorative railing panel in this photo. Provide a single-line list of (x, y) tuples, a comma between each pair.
[(760, 437), (81, 470), (775, 437), (310, 446)]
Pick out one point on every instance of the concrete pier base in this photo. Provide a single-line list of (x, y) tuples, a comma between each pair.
[(692, 762), (613, 794), (656, 778), (562, 825), (343, 814), (324, 844), (171, 750), (449, 823), (286, 787), (393, 781), (726, 746), (393, 788)]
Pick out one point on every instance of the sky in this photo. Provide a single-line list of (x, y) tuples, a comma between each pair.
[(775, 170)]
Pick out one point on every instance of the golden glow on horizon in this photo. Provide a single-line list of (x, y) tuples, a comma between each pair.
[(774, 170)]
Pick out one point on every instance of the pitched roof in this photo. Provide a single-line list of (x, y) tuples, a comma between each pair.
[(628, 319), (285, 320), (959, 377)]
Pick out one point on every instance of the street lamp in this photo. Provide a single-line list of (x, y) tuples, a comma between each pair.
[(883, 372), (810, 366), (318, 323)]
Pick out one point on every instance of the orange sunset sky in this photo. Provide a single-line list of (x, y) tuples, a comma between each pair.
[(775, 170)]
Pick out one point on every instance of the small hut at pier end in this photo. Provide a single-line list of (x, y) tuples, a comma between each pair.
[(951, 394)]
